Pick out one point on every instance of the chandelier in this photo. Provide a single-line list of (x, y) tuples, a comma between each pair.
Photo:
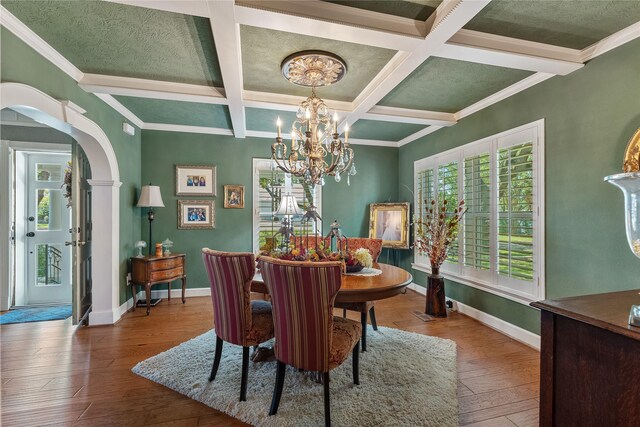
[(316, 149)]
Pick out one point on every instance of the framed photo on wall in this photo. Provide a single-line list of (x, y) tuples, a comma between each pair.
[(195, 180), (234, 196), (390, 222), (196, 214)]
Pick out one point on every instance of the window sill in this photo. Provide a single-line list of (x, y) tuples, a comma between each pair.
[(483, 286)]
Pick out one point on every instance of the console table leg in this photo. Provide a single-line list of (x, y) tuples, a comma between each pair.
[(184, 289), (169, 292), (134, 290)]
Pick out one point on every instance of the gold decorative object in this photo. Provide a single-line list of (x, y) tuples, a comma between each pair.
[(316, 149), (632, 154), (390, 222)]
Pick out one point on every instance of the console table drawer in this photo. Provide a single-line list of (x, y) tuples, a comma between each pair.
[(174, 273), (165, 264)]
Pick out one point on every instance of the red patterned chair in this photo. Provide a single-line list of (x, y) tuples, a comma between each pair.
[(375, 247), (237, 319), (308, 336)]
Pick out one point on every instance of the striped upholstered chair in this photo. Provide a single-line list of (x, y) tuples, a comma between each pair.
[(237, 319), (375, 247), (308, 336)]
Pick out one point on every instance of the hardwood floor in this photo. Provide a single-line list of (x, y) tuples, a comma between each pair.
[(55, 375)]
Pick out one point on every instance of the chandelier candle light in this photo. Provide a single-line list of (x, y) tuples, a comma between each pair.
[(316, 149)]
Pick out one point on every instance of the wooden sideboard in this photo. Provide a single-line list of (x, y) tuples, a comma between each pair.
[(149, 271), (590, 361)]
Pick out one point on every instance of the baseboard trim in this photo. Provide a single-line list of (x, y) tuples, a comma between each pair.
[(175, 293), (502, 326)]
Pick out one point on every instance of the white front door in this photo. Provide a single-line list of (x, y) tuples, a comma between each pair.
[(48, 222)]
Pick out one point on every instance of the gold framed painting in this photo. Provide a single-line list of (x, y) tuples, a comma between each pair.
[(195, 180), (234, 196), (390, 222), (196, 214)]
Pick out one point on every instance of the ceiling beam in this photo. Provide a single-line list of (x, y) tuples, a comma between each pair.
[(185, 7), (282, 102), (482, 48), (417, 135), (623, 36), (187, 129), (226, 33), (113, 103), (296, 17), (143, 88), (405, 115), (448, 19)]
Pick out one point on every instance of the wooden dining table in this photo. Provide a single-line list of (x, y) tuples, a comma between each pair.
[(357, 289)]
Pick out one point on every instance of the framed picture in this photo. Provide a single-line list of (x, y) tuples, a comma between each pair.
[(196, 214), (234, 196), (195, 180), (390, 222)]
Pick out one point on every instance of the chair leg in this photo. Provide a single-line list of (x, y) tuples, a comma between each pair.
[(372, 314), (363, 321), (245, 374), (355, 360), (344, 313), (327, 402), (216, 360), (277, 391)]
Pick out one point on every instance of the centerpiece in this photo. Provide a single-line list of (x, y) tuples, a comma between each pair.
[(354, 261), (435, 233)]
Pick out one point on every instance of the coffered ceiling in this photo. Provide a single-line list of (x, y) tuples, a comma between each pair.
[(213, 66)]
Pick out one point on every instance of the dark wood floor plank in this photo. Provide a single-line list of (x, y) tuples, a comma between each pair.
[(54, 374)]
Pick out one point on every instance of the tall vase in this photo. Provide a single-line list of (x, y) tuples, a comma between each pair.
[(435, 294)]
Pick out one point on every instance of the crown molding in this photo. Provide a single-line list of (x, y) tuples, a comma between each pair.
[(503, 94), (419, 134), (187, 129), (155, 89), (124, 111), (615, 40), (405, 115), (24, 33)]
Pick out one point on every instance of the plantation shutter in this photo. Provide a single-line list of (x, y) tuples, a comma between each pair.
[(448, 190), (516, 196), (477, 220), (267, 227)]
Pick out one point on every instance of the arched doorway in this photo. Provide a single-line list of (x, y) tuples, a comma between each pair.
[(66, 117)]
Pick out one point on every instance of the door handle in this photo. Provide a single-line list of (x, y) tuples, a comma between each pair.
[(31, 234), (69, 243), (81, 243)]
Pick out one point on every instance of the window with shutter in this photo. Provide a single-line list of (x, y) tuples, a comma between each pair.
[(269, 184), (501, 179), (476, 222)]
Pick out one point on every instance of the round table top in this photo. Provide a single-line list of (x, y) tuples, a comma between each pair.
[(390, 282)]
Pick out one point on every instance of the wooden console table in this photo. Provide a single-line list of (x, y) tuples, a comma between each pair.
[(590, 361), (149, 271)]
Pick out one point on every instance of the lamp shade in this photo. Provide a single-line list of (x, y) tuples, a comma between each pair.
[(150, 197), (289, 206)]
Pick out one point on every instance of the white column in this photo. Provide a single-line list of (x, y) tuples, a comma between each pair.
[(105, 250)]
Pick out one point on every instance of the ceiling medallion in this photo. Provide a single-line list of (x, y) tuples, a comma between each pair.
[(313, 68)]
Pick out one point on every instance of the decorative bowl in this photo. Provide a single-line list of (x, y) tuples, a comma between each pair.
[(354, 268)]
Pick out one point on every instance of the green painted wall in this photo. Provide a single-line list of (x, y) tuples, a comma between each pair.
[(375, 181), (34, 134), (22, 64), (590, 116)]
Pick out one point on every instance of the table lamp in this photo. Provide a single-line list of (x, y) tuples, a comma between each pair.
[(150, 197), (288, 207)]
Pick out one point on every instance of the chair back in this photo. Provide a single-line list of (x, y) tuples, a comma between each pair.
[(373, 245), (230, 276), (302, 297)]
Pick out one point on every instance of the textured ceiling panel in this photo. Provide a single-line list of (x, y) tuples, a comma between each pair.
[(383, 131), (416, 9), (178, 112), (570, 23), (107, 38), (265, 120), (263, 51), (449, 85)]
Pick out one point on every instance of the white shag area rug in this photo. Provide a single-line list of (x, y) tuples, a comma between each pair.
[(406, 379)]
